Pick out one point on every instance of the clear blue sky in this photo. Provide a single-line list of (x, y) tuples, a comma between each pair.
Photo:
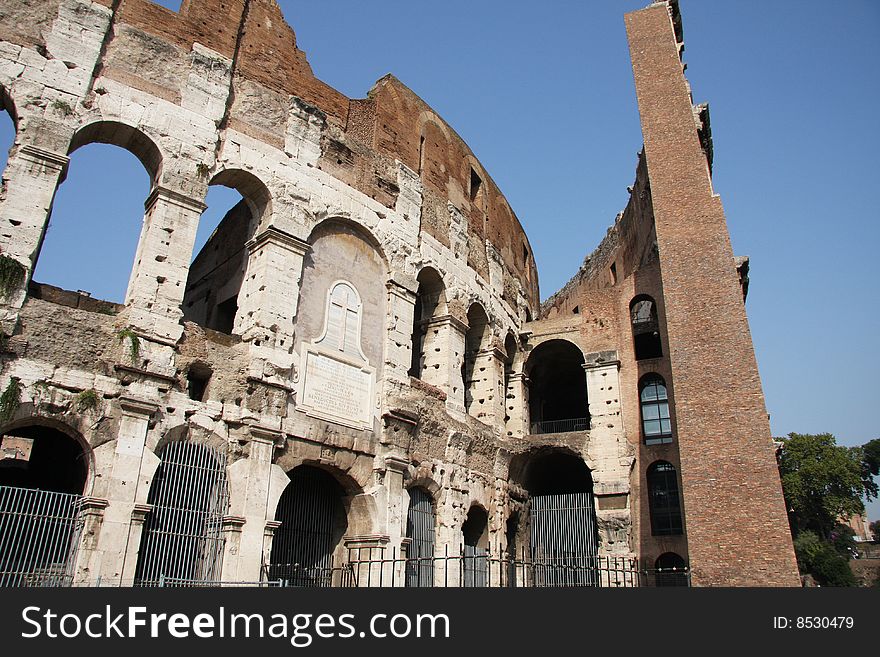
[(543, 94)]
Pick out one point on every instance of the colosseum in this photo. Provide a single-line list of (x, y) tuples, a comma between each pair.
[(354, 382)]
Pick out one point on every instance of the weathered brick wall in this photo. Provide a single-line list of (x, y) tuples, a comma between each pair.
[(736, 522)]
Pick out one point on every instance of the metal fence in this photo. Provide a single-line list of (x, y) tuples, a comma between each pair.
[(380, 567), (183, 538), (561, 426), (39, 537)]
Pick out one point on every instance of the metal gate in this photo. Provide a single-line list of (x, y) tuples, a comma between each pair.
[(183, 538), (420, 524), (39, 537), (302, 549), (564, 542)]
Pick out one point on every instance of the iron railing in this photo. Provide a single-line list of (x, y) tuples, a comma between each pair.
[(560, 426), (39, 537), (380, 567)]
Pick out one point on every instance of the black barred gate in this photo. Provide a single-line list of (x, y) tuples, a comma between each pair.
[(39, 536), (183, 537), (564, 540)]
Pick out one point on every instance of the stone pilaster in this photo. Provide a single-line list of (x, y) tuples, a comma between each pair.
[(444, 354), (161, 266), (92, 517), (255, 485), (267, 303), (398, 352), (131, 471)]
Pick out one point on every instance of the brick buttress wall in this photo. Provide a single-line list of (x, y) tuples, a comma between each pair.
[(736, 522)]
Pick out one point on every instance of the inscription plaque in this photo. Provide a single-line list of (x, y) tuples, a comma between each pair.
[(336, 390)]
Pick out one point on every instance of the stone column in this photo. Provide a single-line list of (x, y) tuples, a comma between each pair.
[(443, 367), (399, 346), (130, 474), (268, 537), (139, 513), (487, 387), (231, 532), (92, 516), (267, 303), (610, 460), (158, 280), (517, 405), (32, 175), (365, 554), (255, 485)]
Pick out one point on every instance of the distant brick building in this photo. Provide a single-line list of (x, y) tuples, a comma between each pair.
[(354, 381)]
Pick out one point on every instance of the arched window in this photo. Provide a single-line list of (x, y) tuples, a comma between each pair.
[(97, 219), (475, 555), (313, 521), (41, 484), (474, 380), (654, 402), (426, 350), (7, 129), (183, 540), (663, 499), (237, 201), (557, 388), (645, 328), (670, 570), (420, 524)]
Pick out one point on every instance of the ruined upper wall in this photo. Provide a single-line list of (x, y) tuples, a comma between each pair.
[(154, 50), (629, 244)]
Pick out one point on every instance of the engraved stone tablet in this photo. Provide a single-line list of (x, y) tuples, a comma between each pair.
[(335, 389), (337, 380)]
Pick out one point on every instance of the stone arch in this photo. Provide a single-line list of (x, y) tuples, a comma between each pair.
[(558, 519), (78, 235), (7, 104), (124, 136), (46, 472), (316, 512), (217, 275), (558, 400), (55, 435), (431, 303), (349, 224), (477, 386), (342, 250), (188, 498), (192, 432), (252, 189)]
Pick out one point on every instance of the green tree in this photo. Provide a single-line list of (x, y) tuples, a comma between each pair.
[(823, 482), (875, 529)]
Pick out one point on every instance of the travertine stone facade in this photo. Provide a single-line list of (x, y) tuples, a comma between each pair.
[(368, 229)]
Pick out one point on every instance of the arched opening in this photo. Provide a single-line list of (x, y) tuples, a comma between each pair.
[(645, 328), (663, 499), (509, 356), (43, 472), (654, 405), (182, 541), (426, 347), (420, 527), (97, 217), (7, 127), (560, 527), (670, 570), (342, 251), (557, 388), (237, 202), (475, 378), (475, 551), (313, 522)]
